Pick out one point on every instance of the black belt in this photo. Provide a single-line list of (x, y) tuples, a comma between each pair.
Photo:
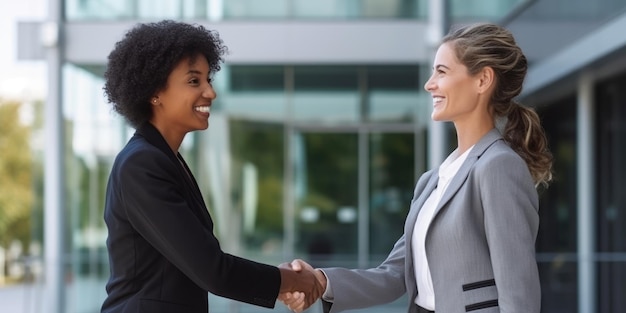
[(422, 310)]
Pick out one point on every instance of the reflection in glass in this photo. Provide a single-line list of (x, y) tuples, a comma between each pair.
[(93, 136), (257, 188), (559, 277), (611, 202), (556, 241), (326, 195), (392, 178)]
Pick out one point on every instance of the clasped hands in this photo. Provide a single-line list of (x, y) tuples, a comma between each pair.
[(302, 285)]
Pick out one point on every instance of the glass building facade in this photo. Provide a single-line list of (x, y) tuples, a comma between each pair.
[(316, 157)]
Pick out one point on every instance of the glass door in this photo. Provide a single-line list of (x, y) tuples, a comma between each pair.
[(325, 194), (351, 192)]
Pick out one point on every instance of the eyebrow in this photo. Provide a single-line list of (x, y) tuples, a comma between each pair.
[(196, 72)]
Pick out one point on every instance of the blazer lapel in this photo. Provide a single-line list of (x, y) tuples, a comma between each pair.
[(195, 190), (459, 179), (154, 137), (422, 191), (421, 194)]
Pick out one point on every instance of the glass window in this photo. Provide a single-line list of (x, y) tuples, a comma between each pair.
[(559, 285), (257, 185), (244, 9), (99, 9), (256, 78), (241, 9), (326, 9), (326, 195), (392, 179), (253, 92), (490, 9), (326, 94), (611, 199), (557, 239), (94, 135), (558, 203), (393, 93), (322, 9)]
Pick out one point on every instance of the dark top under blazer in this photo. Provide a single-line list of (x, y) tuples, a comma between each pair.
[(163, 254)]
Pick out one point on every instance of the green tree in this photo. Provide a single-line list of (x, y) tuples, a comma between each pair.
[(16, 189)]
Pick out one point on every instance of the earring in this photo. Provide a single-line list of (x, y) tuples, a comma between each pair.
[(154, 101)]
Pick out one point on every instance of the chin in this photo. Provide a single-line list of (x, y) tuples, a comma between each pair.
[(200, 127)]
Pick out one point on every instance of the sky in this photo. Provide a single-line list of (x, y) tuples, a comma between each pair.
[(20, 80)]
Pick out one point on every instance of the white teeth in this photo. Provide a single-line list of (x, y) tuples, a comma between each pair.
[(437, 99), (204, 109)]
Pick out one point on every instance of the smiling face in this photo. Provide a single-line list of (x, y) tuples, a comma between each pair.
[(184, 104), (456, 94)]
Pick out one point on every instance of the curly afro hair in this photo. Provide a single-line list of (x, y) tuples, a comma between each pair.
[(139, 65)]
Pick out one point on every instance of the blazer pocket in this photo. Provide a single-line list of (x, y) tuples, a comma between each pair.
[(481, 305), (480, 295)]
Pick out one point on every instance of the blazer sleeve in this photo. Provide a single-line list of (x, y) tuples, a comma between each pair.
[(510, 204), (150, 189), (361, 288)]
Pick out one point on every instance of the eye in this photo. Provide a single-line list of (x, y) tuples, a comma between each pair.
[(209, 80), (193, 81), (439, 70)]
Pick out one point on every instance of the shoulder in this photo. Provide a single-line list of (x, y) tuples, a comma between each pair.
[(424, 178), (500, 163), (500, 156), (137, 154)]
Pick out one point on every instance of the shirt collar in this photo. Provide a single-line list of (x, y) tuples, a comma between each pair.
[(453, 162)]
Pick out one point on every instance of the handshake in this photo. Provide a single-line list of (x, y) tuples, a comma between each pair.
[(301, 285)]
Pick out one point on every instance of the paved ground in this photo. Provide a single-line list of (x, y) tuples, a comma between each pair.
[(20, 299)]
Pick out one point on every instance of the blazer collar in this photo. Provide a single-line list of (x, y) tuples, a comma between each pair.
[(154, 137), (478, 150), (485, 142)]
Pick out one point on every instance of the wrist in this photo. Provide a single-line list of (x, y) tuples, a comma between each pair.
[(286, 280), (321, 278)]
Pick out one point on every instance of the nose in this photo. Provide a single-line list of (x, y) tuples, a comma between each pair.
[(430, 84), (209, 92)]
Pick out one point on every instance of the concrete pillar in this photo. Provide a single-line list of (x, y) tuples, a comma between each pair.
[(54, 169), (585, 195), (437, 28)]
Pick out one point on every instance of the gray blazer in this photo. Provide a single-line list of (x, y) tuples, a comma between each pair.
[(480, 244)]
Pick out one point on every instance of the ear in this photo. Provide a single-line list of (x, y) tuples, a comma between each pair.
[(154, 100), (485, 79)]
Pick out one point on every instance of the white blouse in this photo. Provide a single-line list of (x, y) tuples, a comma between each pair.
[(426, 294)]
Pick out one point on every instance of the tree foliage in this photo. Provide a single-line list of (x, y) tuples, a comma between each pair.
[(16, 190)]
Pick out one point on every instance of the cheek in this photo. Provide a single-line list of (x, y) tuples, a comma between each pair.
[(462, 89)]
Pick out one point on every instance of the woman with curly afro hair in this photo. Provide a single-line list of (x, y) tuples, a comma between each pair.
[(163, 254)]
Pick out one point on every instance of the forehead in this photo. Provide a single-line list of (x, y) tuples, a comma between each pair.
[(197, 63), (446, 55)]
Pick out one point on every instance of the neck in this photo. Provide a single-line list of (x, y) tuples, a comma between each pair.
[(468, 134), (173, 138)]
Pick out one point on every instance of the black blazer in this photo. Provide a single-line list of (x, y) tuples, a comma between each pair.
[(163, 254)]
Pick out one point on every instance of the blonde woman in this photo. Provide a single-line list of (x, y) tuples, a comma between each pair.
[(469, 238)]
